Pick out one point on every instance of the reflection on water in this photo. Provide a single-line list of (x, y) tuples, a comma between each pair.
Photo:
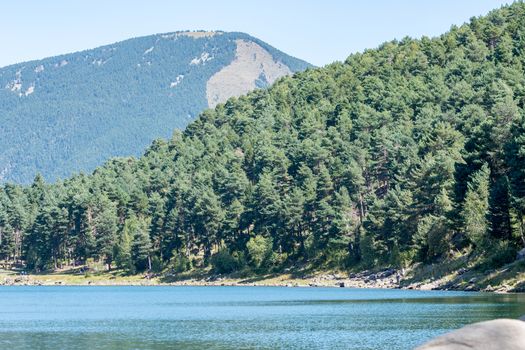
[(237, 317)]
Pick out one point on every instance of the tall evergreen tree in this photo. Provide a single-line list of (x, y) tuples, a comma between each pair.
[(476, 207)]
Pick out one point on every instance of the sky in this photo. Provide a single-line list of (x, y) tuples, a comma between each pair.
[(319, 32)]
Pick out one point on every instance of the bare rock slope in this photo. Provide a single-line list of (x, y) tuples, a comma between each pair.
[(253, 66)]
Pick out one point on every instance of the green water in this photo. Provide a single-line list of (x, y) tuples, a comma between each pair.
[(237, 317)]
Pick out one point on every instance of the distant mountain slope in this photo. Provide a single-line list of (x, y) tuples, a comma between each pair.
[(69, 113)]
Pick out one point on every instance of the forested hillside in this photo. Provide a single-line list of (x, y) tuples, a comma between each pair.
[(411, 152), (70, 113)]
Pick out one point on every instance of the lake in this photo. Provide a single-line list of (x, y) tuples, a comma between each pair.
[(237, 317)]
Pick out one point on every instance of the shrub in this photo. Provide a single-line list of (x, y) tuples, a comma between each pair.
[(259, 250), (502, 253), (367, 245), (277, 261), (180, 263), (156, 264), (310, 248), (407, 258), (224, 262), (337, 252)]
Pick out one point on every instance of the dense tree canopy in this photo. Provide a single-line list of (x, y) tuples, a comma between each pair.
[(404, 153)]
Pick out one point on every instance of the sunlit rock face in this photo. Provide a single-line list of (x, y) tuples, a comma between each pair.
[(490, 335)]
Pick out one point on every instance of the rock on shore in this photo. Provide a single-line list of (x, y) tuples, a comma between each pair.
[(489, 335)]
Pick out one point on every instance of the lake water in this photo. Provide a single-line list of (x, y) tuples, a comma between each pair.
[(237, 317)]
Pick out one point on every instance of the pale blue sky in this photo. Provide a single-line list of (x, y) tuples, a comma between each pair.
[(317, 31)]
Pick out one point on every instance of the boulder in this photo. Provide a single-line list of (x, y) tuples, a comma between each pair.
[(462, 271), (471, 288), (489, 335), (489, 288), (387, 273)]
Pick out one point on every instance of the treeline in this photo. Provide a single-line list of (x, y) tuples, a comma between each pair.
[(412, 152)]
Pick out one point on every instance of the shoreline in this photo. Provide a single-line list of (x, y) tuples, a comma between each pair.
[(385, 279), (283, 280)]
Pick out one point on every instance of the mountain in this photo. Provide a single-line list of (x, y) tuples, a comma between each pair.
[(410, 153), (69, 113)]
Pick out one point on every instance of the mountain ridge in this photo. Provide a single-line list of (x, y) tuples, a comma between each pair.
[(54, 109)]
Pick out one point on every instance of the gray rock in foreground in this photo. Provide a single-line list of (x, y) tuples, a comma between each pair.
[(497, 334)]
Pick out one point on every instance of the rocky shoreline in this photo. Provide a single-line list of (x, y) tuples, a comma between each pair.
[(385, 279)]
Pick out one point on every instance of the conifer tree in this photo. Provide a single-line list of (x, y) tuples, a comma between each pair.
[(476, 207)]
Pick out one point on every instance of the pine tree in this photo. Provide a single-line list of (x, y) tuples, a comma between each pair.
[(324, 211), (141, 249), (476, 207), (266, 205), (7, 244), (106, 228), (207, 218), (122, 249), (293, 213), (515, 159)]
